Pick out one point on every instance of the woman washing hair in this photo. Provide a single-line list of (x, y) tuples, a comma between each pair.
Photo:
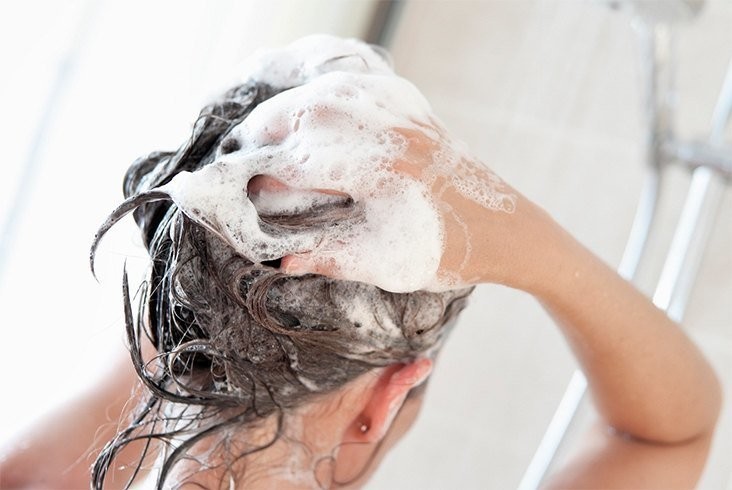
[(312, 244)]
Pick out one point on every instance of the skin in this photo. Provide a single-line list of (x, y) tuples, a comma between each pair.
[(649, 382), (59, 450), (603, 459)]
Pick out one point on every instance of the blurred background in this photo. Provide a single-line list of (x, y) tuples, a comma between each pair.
[(546, 92)]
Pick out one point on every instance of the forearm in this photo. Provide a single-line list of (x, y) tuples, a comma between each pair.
[(647, 378)]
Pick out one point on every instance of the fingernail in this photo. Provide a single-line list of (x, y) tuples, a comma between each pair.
[(292, 265)]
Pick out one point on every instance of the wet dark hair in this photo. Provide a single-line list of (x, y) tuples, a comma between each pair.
[(238, 341)]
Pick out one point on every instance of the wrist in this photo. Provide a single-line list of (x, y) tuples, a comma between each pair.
[(528, 250)]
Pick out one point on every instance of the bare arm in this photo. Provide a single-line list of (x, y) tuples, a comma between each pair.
[(603, 460), (58, 451), (647, 378)]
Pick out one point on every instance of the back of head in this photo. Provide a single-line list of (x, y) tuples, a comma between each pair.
[(238, 341)]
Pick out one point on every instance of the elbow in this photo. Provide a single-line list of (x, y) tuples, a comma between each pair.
[(703, 413), (691, 419), (707, 414)]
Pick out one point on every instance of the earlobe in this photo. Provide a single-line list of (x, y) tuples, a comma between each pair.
[(380, 402), (386, 398)]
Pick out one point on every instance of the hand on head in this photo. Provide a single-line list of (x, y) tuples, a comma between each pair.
[(484, 224)]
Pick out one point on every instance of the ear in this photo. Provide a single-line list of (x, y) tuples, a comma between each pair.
[(385, 400), (375, 408)]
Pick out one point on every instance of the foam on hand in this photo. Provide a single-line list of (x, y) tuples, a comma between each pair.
[(336, 126)]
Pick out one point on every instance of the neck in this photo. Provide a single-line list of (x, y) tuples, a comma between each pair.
[(304, 453)]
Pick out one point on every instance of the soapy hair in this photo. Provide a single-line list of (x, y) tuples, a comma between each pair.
[(237, 342)]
